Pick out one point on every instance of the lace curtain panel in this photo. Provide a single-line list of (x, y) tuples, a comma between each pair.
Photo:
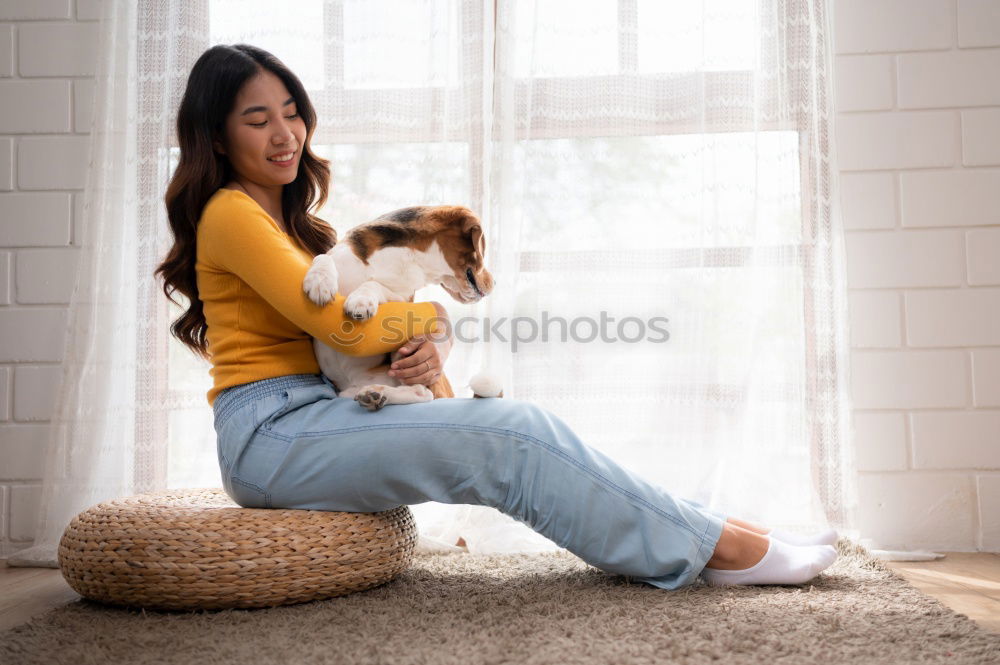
[(658, 186)]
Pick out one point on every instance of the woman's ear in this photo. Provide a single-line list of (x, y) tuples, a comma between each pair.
[(217, 142)]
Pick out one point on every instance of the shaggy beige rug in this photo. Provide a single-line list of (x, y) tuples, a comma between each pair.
[(549, 607)]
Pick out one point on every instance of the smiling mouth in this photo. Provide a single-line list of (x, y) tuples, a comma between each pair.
[(291, 154)]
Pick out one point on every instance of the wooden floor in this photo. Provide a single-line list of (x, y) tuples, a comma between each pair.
[(968, 583)]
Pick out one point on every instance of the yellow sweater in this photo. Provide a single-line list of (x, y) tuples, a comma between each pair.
[(260, 321)]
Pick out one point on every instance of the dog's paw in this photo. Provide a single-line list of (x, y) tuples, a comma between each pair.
[(360, 306), (422, 392), (372, 398), (321, 282), (486, 384)]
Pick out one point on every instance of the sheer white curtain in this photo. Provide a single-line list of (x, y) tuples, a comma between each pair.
[(658, 184), (130, 409)]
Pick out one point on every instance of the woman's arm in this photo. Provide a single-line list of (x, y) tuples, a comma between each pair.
[(238, 237)]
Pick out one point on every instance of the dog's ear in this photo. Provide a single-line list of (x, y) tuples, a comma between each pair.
[(472, 229)]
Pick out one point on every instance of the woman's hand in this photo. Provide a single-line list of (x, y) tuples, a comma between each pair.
[(422, 358)]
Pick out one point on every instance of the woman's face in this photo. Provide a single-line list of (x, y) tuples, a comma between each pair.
[(264, 123)]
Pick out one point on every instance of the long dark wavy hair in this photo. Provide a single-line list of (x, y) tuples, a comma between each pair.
[(212, 86)]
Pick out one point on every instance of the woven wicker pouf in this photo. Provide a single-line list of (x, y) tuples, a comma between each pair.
[(196, 549)]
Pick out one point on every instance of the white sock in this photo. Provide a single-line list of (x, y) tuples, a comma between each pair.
[(783, 563), (828, 537)]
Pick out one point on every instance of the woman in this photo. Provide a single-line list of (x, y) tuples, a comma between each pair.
[(243, 243)]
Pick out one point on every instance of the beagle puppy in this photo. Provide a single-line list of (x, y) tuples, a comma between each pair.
[(389, 258)]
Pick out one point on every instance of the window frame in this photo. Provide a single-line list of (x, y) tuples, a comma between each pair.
[(697, 84)]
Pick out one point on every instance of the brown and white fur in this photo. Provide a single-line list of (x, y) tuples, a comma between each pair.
[(388, 259)]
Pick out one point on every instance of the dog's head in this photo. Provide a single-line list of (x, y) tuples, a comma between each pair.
[(464, 248), (460, 266)]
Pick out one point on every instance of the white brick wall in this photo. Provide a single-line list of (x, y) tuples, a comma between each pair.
[(47, 63), (918, 127), (918, 132)]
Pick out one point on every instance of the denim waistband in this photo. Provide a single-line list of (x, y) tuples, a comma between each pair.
[(233, 398)]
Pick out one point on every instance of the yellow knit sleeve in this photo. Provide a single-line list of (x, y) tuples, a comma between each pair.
[(239, 237)]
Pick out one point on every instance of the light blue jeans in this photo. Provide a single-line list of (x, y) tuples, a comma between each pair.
[(290, 442)]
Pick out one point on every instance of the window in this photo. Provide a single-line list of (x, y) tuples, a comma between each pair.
[(640, 199)]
